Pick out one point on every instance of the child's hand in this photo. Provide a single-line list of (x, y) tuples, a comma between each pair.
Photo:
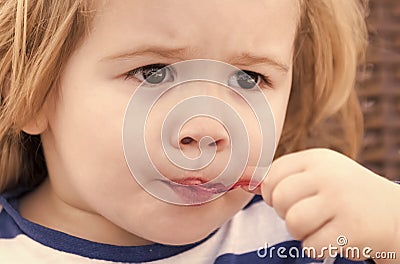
[(322, 195)]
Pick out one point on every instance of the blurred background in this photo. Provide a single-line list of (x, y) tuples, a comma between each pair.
[(379, 91)]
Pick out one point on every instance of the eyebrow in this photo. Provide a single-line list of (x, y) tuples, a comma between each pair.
[(245, 58), (148, 50), (248, 59)]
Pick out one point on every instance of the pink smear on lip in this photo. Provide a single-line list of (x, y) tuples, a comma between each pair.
[(200, 184), (240, 184), (245, 184), (192, 191), (196, 184)]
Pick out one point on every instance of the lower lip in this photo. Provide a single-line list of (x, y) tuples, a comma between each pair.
[(192, 194)]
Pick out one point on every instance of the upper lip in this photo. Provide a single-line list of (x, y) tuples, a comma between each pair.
[(200, 184), (190, 181)]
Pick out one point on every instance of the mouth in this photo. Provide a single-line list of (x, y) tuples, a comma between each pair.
[(192, 194), (198, 191)]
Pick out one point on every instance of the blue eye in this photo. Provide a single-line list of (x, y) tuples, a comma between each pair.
[(152, 74), (247, 79)]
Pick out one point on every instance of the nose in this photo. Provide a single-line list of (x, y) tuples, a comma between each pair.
[(202, 128)]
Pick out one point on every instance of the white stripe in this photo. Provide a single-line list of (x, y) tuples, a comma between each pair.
[(248, 230)]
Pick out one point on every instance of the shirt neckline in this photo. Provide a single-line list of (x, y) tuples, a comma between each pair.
[(85, 248)]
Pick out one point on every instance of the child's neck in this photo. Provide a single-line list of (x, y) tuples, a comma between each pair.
[(44, 207)]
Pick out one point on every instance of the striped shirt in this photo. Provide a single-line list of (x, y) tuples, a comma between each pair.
[(254, 235)]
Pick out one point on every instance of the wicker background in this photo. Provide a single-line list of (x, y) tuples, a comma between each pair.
[(379, 91)]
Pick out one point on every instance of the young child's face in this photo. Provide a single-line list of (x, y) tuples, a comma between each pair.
[(83, 142)]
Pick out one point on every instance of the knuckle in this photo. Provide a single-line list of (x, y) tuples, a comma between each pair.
[(293, 226), (279, 197), (319, 153)]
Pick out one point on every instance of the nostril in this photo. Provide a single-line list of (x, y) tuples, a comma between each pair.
[(218, 142), (186, 140)]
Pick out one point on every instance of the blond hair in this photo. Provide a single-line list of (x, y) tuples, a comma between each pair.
[(37, 37), (323, 109)]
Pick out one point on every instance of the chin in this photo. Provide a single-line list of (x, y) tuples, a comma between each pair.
[(177, 233), (196, 222)]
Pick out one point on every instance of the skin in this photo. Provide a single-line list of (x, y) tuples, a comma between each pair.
[(340, 197), (90, 187)]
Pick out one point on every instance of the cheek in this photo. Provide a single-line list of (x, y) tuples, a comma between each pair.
[(86, 152), (278, 101)]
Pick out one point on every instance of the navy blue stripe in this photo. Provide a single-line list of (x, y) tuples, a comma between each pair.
[(257, 198), (12, 224), (8, 228)]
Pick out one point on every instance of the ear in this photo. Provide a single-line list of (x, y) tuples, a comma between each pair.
[(36, 126)]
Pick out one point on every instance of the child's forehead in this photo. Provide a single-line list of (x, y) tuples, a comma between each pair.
[(211, 12), (198, 25)]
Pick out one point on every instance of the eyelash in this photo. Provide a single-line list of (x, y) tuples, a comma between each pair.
[(264, 78), (129, 75)]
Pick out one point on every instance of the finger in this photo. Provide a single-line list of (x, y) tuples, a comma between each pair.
[(307, 217), (280, 169), (327, 241), (291, 190)]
